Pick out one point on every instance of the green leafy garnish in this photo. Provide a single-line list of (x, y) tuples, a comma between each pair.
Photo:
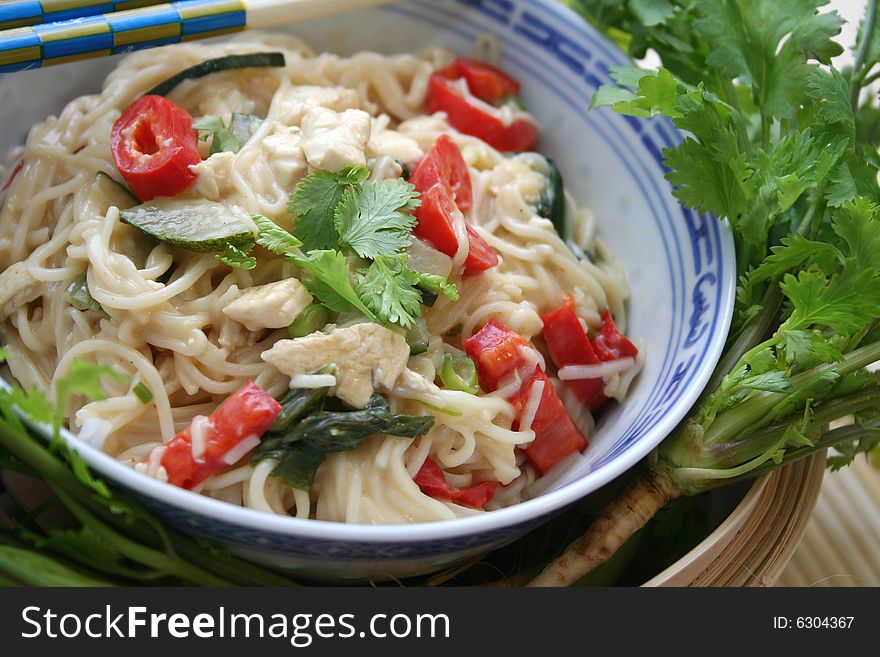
[(391, 291), (373, 219), (313, 205), (222, 138), (331, 283), (237, 258), (386, 287), (274, 238)]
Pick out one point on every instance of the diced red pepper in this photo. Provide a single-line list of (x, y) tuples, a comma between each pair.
[(480, 255), (486, 82), (569, 345), (432, 482), (435, 218), (248, 412), (611, 344), (497, 352), (154, 144), (472, 116), (559, 436), (445, 162)]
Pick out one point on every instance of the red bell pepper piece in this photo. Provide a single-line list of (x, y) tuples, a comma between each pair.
[(432, 482), (435, 219), (153, 144), (611, 344), (486, 82), (472, 116), (444, 162), (248, 412), (569, 345), (497, 352)]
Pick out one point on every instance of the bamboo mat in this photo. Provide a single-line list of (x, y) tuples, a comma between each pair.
[(841, 546)]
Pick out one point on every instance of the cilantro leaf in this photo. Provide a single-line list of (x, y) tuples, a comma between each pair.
[(223, 138), (331, 283), (386, 287), (745, 43), (313, 205), (373, 219), (794, 251), (652, 12), (830, 92), (771, 381), (236, 258), (807, 348), (84, 378), (844, 302), (656, 94), (274, 238), (857, 222)]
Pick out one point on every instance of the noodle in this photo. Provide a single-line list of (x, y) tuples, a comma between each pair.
[(162, 322)]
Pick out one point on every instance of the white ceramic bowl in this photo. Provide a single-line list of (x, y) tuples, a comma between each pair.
[(680, 267)]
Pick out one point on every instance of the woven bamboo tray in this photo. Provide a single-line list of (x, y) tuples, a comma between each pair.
[(756, 541), (840, 545)]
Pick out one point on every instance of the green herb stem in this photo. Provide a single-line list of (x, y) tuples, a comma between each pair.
[(169, 563), (733, 422), (859, 70)]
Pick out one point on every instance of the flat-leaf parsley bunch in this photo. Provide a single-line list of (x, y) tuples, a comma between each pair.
[(784, 146)]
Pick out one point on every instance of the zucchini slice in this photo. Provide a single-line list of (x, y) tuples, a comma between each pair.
[(247, 60), (105, 192), (202, 226), (552, 202)]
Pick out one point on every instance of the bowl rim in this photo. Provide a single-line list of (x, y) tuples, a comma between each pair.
[(523, 513)]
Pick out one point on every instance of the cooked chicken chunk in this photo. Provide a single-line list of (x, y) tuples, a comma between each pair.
[(273, 305), (17, 287), (366, 356), (396, 145), (332, 140)]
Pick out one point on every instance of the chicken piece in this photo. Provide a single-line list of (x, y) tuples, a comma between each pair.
[(213, 177), (396, 145), (289, 107), (332, 140), (366, 356), (273, 305), (285, 156), (17, 287)]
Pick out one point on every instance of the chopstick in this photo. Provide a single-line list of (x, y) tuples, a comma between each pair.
[(115, 32), (20, 13)]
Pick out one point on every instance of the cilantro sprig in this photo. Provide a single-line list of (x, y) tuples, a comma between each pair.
[(335, 213), (784, 146)]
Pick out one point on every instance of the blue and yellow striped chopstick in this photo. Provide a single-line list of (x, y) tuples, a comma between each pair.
[(114, 32), (20, 13), (108, 34)]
